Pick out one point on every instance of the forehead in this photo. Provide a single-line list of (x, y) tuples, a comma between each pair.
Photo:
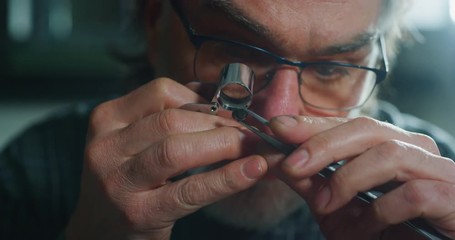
[(314, 23)]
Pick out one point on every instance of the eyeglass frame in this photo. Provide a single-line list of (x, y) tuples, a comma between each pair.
[(381, 74)]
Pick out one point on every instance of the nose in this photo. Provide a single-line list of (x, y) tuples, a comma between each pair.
[(281, 96)]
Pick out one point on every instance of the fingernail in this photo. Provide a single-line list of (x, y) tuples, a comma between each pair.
[(252, 169), (298, 159), (323, 198), (288, 121)]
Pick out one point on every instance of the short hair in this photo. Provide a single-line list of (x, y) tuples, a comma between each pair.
[(391, 25)]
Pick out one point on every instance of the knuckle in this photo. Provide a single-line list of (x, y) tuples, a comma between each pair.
[(99, 115), (226, 182), (341, 181), (168, 119), (390, 149), (340, 178), (228, 139), (161, 83), (366, 122), (185, 196), (167, 154), (444, 192), (414, 194), (162, 211), (160, 87), (379, 214), (424, 195), (320, 142), (198, 191), (427, 142), (425, 139)]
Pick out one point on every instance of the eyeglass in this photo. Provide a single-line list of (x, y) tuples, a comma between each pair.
[(325, 85)]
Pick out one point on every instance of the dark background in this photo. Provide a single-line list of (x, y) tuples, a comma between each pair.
[(65, 57), (60, 63)]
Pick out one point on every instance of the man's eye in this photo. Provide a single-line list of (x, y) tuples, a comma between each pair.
[(327, 72)]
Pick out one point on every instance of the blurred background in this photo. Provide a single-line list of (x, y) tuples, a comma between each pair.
[(56, 52)]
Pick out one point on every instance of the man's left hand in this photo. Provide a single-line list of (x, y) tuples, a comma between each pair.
[(376, 154)]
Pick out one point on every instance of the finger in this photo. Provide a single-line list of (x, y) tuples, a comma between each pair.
[(141, 134), (190, 194), (297, 129), (350, 222), (305, 187), (154, 96), (176, 154), (429, 199), (382, 164), (125, 143), (345, 141)]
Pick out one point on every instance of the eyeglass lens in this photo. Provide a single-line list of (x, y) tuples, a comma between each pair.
[(322, 85)]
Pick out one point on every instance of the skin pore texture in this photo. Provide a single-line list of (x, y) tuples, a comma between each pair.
[(306, 31), (139, 143)]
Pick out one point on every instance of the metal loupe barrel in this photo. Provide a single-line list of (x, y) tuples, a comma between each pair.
[(235, 89)]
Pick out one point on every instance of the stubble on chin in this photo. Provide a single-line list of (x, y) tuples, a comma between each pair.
[(262, 206)]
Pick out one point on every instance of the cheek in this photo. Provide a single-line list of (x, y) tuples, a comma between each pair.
[(181, 54), (173, 53)]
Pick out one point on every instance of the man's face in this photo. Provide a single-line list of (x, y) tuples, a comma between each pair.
[(299, 30)]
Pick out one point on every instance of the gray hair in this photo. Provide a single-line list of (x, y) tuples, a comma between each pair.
[(391, 26)]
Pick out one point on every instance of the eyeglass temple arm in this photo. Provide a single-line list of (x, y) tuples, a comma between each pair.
[(385, 57)]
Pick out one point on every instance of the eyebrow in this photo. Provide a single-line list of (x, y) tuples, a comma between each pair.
[(240, 17), (359, 41)]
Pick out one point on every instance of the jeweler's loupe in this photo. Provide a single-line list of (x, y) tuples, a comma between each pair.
[(235, 87)]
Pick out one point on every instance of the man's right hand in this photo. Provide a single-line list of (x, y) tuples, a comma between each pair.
[(136, 144)]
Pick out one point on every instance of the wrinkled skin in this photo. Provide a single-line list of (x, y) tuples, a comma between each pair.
[(378, 154), (139, 142)]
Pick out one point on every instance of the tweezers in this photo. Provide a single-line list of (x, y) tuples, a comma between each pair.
[(418, 225)]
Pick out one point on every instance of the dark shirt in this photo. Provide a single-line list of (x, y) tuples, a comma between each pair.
[(40, 175)]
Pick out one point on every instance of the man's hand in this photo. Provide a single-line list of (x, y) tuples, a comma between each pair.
[(136, 145), (376, 153)]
